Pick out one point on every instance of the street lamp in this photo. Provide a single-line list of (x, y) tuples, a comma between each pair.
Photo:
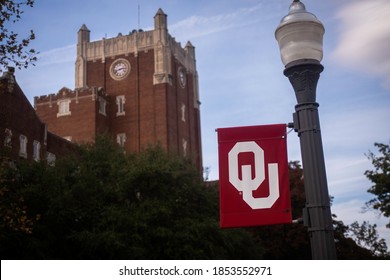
[(299, 36)]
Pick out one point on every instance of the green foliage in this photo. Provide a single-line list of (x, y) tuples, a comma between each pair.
[(292, 241), (366, 236), (12, 49), (346, 247), (380, 176), (103, 204)]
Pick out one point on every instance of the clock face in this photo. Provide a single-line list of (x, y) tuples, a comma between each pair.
[(119, 69), (182, 77)]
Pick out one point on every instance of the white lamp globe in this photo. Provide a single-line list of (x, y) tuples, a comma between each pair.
[(300, 36)]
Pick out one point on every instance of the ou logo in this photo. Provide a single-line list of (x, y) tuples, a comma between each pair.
[(246, 184)]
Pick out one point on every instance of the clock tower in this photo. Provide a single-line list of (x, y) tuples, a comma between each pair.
[(145, 86)]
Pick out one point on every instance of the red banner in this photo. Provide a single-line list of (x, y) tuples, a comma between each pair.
[(253, 176)]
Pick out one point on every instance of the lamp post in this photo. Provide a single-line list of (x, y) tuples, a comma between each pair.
[(299, 36)]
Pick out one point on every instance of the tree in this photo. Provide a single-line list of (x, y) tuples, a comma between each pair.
[(13, 210), (291, 241), (103, 204), (12, 48), (380, 176), (366, 236), (346, 246)]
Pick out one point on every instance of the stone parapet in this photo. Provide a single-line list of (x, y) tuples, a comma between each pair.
[(65, 93)]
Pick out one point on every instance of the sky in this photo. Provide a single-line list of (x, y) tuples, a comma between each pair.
[(241, 79)]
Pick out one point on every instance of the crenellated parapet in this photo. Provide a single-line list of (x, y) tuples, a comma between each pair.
[(92, 93), (122, 44), (158, 40)]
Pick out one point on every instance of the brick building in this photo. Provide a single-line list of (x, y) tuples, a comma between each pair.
[(22, 133), (141, 88)]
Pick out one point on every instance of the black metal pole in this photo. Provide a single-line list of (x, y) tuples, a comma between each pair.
[(304, 76)]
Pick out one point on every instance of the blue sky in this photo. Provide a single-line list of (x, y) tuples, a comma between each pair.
[(241, 75)]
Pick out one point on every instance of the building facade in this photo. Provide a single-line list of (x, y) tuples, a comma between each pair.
[(141, 88), (22, 134)]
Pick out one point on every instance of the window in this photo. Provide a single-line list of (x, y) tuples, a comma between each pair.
[(121, 139), (23, 146), (37, 151), (120, 102), (8, 138), (102, 106), (183, 113), (51, 159), (63, 108), (184, 143)]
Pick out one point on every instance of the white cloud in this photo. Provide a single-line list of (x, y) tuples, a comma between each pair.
[(365, 38), (355, 127), (53, 71), (346, 177), (58, 55), (199, 26), (347, 136)]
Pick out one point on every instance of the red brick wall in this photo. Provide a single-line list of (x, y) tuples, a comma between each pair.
[(84, 120), (17, 115), (59, 146), (145, 119), (153, 113)]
